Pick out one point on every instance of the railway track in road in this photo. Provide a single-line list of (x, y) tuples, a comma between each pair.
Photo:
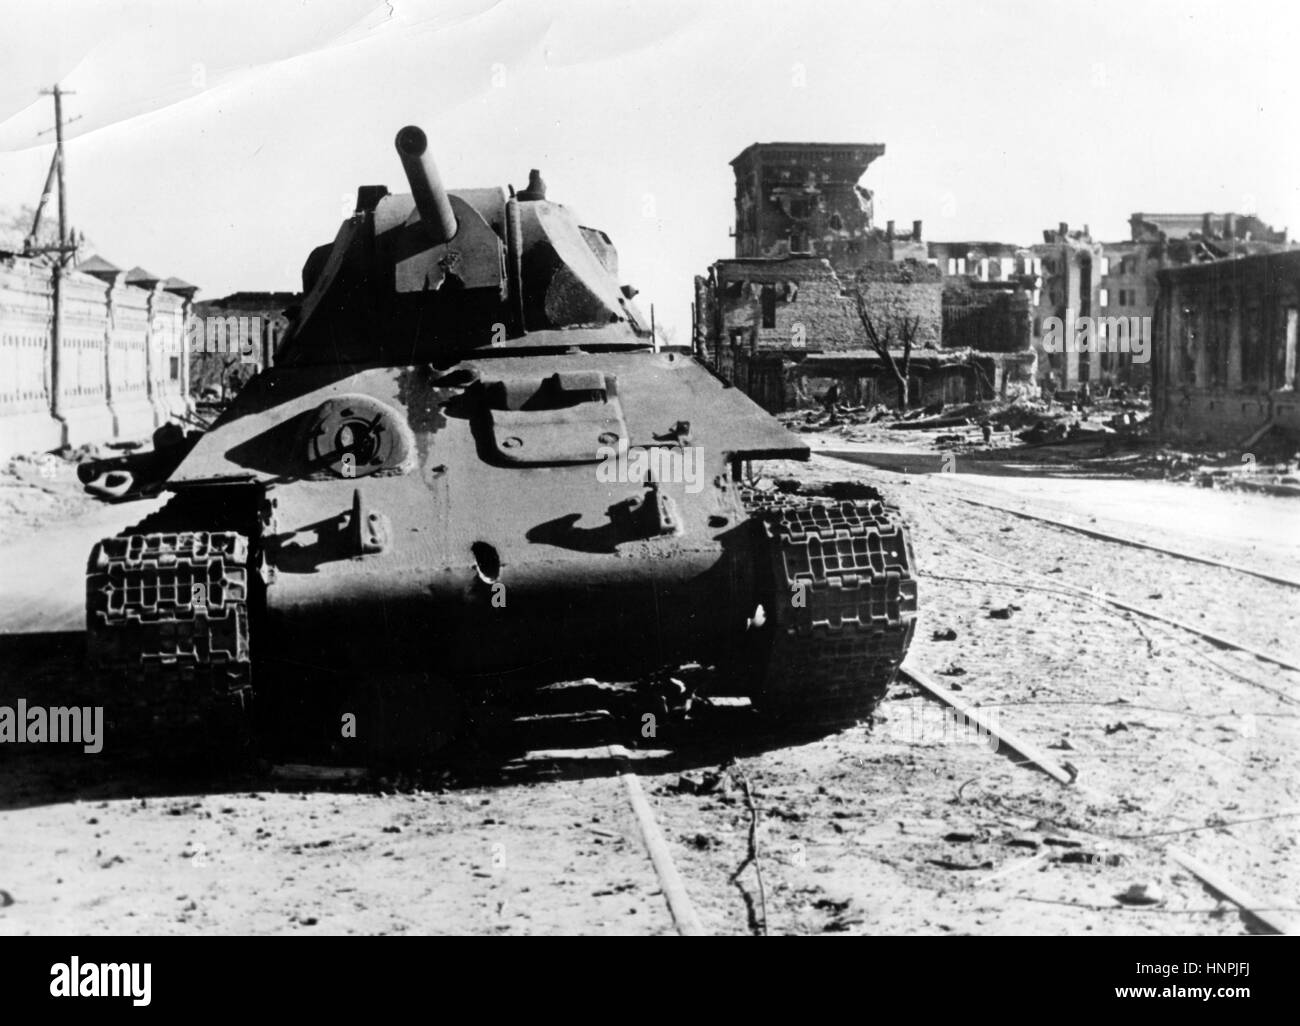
[(685, 919), (1026, 510), (1264, 911), (1270, 914), (1043, 582), (1117, 539), (1218, 639)]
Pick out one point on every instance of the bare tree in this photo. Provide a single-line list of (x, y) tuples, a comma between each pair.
[(667, 334), (16, 225), (902, 326)]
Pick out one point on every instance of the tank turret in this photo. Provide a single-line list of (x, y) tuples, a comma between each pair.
[(438, 272)]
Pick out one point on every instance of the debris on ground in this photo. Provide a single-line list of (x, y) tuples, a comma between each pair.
[(1088, 858), (1147, 893), (1106, 430), (704, 782)]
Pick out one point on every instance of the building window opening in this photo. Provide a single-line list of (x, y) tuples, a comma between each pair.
[(1288, 368), (767, 304)]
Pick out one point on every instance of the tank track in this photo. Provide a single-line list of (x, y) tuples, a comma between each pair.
[(167, 615), (843, 606)]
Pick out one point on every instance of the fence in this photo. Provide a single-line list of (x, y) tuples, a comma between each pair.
[(112, 365)]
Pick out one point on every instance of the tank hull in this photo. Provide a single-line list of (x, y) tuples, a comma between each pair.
[(574, 585)]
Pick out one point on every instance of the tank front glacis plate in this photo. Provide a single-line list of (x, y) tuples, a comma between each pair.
[(469, 554)]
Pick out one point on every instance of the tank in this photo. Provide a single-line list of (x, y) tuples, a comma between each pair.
[(472, 469)]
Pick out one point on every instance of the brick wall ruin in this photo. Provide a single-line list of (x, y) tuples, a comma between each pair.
[(908, 290), (800, 303), (785, 329)]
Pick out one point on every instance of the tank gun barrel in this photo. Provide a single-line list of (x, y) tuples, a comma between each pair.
[(426, 185)]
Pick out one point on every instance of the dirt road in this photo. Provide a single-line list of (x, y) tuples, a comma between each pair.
[(912, 826)]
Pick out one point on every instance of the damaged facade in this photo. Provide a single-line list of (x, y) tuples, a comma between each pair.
[(991, 317), (1113, 280), (785, 329), (806, 198), (1224, 371), (781, 319), (1004, 262), (988, 296)]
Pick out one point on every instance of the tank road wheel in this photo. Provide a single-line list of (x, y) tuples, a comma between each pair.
[(840, 608), (167, 620)]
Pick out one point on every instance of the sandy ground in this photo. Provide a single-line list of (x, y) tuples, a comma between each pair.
[(912, 826)]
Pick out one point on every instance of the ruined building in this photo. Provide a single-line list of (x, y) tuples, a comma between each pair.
[(1224, 369), (989, 291), (242, 333), (1221, 231), (780, 318), (807, 198), (1117, 281)]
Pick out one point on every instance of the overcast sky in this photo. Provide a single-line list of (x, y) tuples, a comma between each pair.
[(220, 141)]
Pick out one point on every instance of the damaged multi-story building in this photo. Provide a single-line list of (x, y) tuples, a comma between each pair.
[(1224, 371), (989, 292), (782, 318), (1116, 284)]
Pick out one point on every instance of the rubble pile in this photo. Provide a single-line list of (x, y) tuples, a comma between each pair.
[(1064, 418), (1108, 427), (1227, 471)]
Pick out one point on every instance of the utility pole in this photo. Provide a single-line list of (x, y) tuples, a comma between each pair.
[(60, 165), (62, 250)]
